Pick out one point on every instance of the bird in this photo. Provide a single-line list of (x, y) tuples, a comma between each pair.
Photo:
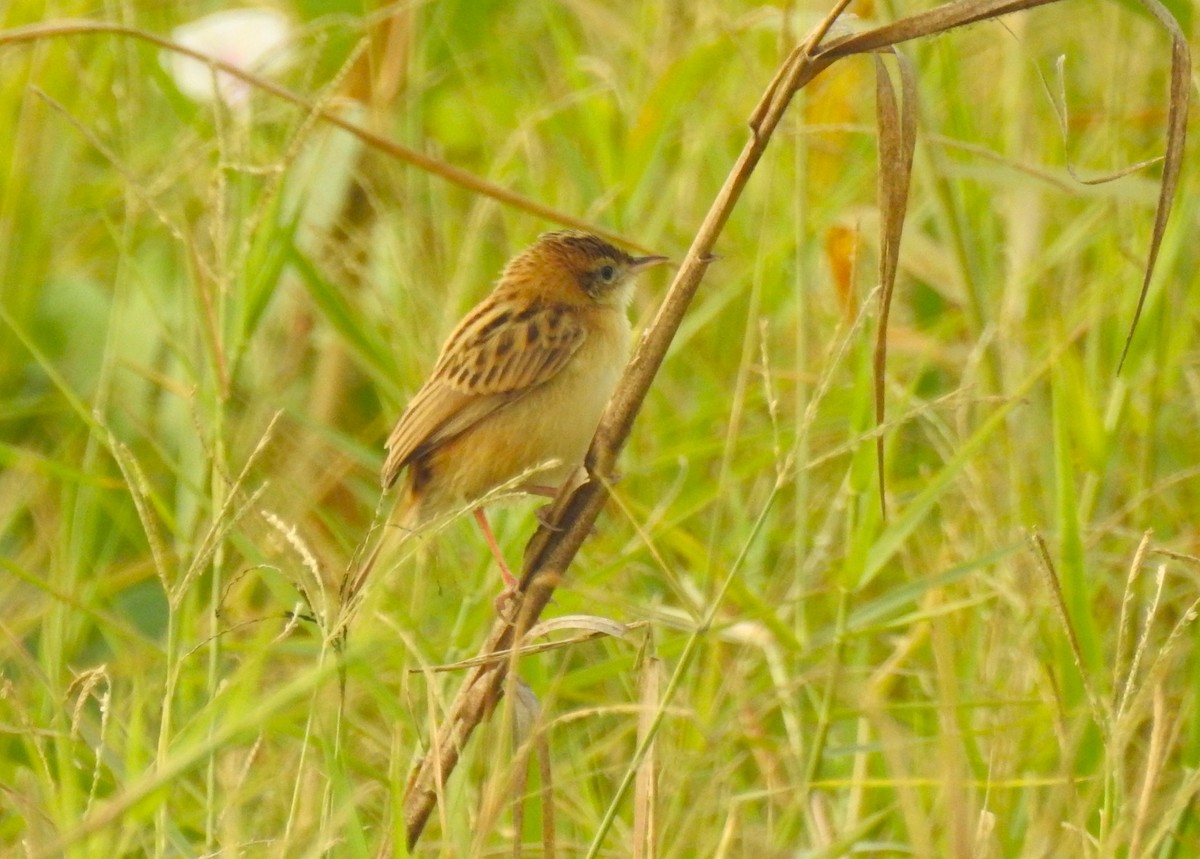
[(517, 391)]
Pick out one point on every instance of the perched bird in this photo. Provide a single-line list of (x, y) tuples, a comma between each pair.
[(519, 387)]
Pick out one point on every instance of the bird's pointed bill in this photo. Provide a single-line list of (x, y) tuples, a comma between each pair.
[(643, 263)]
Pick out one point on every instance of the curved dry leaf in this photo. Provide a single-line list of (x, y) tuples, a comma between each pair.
[(897, 142), (589, 623)]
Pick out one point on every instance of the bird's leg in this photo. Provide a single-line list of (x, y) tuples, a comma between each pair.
[(510, 581)]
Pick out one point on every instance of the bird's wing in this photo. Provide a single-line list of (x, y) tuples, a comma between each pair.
[(495, 356)]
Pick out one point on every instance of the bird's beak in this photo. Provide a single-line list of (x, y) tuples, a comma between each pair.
[(643, 263)]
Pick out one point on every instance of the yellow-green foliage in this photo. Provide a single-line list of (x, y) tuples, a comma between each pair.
[(197, 374)]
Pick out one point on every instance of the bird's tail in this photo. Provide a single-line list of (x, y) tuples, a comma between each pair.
[(397, 528)]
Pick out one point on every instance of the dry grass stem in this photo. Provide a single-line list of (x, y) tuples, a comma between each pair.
[(645, 793)]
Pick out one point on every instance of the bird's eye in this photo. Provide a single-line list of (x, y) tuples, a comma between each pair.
[(607, 273)]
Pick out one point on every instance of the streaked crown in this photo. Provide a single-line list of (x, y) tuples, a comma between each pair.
[(566, 259)]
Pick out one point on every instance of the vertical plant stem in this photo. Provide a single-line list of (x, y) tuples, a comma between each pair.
[(161, 817)]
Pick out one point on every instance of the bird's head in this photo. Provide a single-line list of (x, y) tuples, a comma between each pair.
[(569, 265)]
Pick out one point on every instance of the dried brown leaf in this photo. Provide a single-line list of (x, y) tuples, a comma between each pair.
[(897, 142), (1177, 110)]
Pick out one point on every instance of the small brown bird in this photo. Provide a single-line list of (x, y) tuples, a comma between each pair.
[(517, 392)]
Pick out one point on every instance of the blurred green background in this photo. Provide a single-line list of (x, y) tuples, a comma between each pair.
[(211, 314)]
